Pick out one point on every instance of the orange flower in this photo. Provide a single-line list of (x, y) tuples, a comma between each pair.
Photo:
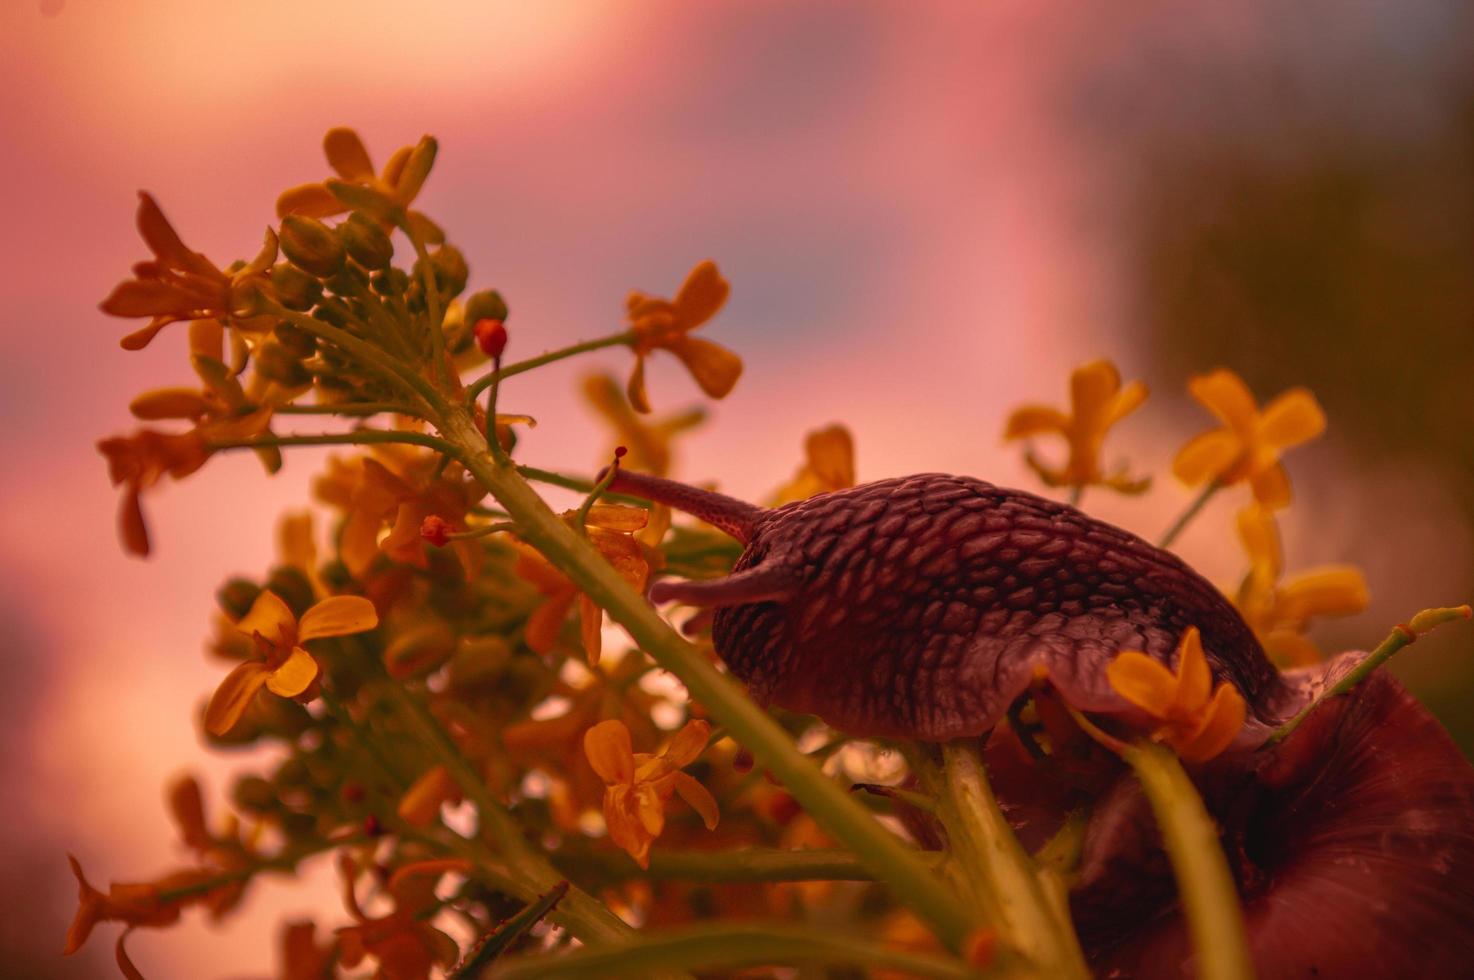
[(180, 284), (1198, 726), (141, 904), (667, 324), (829, 465), (640, 785), (1097, 402), (302, 958), (140, 461), (396, 186), (611, 530), (1249, 443), (403, 942), (421, 803), (227, 851), (1278, 611), (403, 500), (284, 667), (648, 444)]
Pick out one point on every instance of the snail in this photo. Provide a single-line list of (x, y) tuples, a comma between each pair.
[(924, 607)]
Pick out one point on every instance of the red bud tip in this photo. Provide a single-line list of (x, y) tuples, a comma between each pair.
[(435, 530), (371, 826), (619, 452), (742, 761), (491, 337)]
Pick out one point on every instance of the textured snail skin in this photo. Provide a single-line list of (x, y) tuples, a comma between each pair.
[(922, 607)]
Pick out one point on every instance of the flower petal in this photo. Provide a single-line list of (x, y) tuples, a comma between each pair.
[(1126, 401), (1271, 487), (1224, 393), (1092, 386), (688, 744), (338, 615), (1034, 420), (309, 201), (164, 242), (635, 388), (1143, 681), (1292, 418), (346, 154), (295, 675), (1194, 680), (715, 368), (1330, 590), (271, 617), (1221, 723), (591, 629), (831, 456), (1207, 456), (234, 695), (1259, 534), (701, 295), (699, 798), (618, 517), (610, 752), (169, 403)]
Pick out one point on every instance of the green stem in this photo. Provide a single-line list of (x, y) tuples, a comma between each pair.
[(432, 296), (1210, 901), (724, 947), (751, 864), (883, 854), (352, 408), (613, 340), (575, 483), (285, 863), (1185, 518), (588, 918), (1400, 637), (356, 437), (1005, 878)]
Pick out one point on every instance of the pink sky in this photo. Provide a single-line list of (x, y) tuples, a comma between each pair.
[(898, 204)]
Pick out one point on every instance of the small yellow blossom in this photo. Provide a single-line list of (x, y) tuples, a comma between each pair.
[(648, 444), (139, 462), (1249, 443), (667, 324), (397, 184), (403, 500), (1198, 726), (284, 667), (180, 284), (611, 530), (640, 784), (1279, 612), (1097, 402), (829, 465), (404, 943), (421, 803)]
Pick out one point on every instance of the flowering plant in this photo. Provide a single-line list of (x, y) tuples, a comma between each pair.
[(927, 727)]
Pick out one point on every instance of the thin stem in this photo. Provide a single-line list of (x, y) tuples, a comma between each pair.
[(1185, 518), (1077, 493), (581, 516), (586, 916), (1204, 883), (432, 296), (1005, 878), (750, 864), (884, 854), (576, 483), (353, 409), (355, 437), (392, 370), (1402, 635), (613, 340), (284, 863)]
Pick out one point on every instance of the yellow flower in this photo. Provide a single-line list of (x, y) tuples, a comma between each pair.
[(403, 500), (1280, 612), (140, 461), (1097, 402), (1249, 443), (667, 324), (640, 785), (611, 530), (403, 942), (397, 184), (829, 465), (284, 667), (648, 444), (1198, 726), (180, 284)]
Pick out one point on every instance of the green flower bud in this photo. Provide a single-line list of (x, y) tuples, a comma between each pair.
[(275, 363), (451, 271), (297, 342), (333, 312), (390, 282), (236, 596), (254, 795), (366, 242), (486, 305), (294, 288), (311, 245), (293, 588)]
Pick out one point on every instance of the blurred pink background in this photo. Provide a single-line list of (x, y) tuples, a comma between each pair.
[(920, 210)]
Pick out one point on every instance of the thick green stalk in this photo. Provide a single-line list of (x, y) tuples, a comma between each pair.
[(730, 946), (883, 854), (353, 437), (729, 867), (990, 859), (1205, 886)]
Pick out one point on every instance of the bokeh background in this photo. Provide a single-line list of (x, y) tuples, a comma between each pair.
[(928, 213)]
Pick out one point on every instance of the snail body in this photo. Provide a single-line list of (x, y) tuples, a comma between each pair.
[(923, 606)]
